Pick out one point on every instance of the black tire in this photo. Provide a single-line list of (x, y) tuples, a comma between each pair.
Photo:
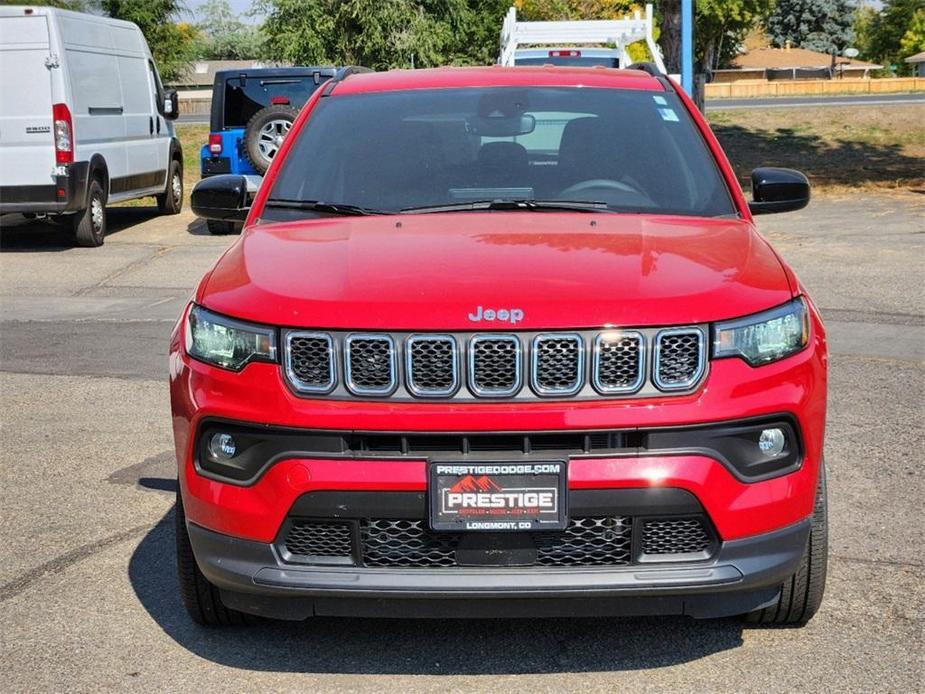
[(265, 133), (90, 224), (201, 599), (217, 227), (801, 594), (171, 200)]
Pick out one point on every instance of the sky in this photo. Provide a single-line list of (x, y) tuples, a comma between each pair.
[(238, 6)]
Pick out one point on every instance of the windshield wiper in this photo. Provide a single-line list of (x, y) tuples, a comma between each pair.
[(319, 206), (511, 204)]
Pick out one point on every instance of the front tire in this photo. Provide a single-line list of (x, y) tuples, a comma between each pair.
[(89, 225), (801, 594), (202, 600), (171, 200)]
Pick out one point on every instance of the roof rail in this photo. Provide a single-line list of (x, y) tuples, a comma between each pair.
[(619, 32), (341, 74)]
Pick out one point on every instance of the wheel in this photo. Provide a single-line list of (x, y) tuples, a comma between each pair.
[(265, 133), (171, 200), (801, 594), (201, 599), (217, 227), (90, 224)]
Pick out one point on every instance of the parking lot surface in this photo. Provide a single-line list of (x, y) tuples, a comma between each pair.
[(88, 595)]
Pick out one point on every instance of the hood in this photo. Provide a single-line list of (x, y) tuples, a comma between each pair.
[(432, 271)]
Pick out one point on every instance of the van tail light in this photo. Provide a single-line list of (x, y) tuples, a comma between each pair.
[(64, 134), (215, 144)]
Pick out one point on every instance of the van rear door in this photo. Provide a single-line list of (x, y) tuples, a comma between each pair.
[(27, 151)]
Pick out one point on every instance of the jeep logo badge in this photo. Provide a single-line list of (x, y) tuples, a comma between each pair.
[(512, 315)]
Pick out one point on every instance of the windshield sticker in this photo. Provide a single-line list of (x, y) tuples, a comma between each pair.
[(668, 114), (661, 100)]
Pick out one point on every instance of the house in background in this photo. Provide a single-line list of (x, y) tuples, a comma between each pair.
[(199, 77), (918, 60), (791, 64)]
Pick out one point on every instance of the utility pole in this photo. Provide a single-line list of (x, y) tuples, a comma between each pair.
[(687, 46)]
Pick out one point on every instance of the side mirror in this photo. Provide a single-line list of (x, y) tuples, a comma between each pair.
[(778, 190), (171, 104), (221, 197)]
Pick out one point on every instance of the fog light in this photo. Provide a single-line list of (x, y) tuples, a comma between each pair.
[(223, 447), (771, 442)]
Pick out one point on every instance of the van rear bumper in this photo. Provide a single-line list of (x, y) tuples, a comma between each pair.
[(46, 198)]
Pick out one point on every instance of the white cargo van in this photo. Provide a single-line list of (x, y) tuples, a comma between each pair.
[(84, 120)]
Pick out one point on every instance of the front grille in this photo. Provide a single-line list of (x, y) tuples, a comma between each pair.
[(310, 361), (494, 365), (591, 541), (370, 364), (558, 364), (406, 543), (432, 367), (619, 362), (408, 366), (679, 358), (599, 540), (674, 536), (319, 539)]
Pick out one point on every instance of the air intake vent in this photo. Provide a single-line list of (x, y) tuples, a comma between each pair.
[(679, 358), (495, 365), (558, 364), (310, 362), (619, 362), (432, 365), (370, 364)]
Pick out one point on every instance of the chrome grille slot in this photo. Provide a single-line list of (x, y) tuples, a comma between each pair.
[(495, 365), (370, 364), (679, 358), (619, 362), (310, 361), (557, 364), (432, 365)]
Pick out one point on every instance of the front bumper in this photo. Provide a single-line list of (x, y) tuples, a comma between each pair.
[(744, 575), (67, 194)]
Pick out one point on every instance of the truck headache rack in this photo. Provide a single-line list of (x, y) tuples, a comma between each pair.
[(619, 32)]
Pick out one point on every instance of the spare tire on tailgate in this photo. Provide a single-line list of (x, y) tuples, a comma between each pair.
[(265, 133)]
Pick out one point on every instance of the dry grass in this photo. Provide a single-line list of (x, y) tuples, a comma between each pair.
[(869, 148)]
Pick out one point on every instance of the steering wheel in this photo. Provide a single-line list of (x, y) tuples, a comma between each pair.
[(598, 184)]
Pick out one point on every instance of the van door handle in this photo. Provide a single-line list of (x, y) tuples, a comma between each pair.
[(158, 125), (151, 125)]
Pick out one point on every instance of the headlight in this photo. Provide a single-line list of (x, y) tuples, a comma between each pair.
[(226, 342), (764, 337)]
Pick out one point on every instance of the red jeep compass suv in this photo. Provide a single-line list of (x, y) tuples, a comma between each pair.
[(500, 342)]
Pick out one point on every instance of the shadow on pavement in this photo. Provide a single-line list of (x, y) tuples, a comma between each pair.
[(420, 647), (836, 162), (21, 235)]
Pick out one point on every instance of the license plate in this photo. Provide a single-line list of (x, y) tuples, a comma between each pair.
[(498, 497)]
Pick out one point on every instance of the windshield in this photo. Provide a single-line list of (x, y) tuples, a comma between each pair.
[(626, 151)]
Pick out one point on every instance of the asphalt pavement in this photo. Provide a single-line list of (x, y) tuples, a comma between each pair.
[(88, 594)]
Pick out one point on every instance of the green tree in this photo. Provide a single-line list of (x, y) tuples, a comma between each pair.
[(381, 34), (224, 35), (172, 43), (818, 25), (895, 33), (74, 5)]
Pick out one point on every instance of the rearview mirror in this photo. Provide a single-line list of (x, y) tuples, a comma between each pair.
[(221, 197), (502, 126), (171, 104), (778, 190)]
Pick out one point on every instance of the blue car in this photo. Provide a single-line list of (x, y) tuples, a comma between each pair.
[(252, 110)]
